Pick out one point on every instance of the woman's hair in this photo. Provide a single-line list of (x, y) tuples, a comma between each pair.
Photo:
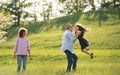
[(21, 31), (82, 28)]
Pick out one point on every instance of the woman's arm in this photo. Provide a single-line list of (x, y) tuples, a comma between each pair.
[(78, 33)]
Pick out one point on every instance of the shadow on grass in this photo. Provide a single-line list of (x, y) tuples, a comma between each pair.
[(62, 72), (45, 25), (102, 15)]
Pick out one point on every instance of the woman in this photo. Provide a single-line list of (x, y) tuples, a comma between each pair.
[(82, 41)]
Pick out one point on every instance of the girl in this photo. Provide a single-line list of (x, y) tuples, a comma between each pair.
[(82, 41), (22, 49)]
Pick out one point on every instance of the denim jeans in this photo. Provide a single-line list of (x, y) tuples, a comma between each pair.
[(72, 60), (21, 58)]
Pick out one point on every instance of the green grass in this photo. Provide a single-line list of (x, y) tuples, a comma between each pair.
[(104, 34), (53, 62), (45, 41), (105, 37)]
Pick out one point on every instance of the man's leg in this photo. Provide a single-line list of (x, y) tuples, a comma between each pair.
[(69, 58), (74, 61)]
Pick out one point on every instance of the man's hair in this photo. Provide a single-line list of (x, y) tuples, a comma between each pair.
[(68, 25)]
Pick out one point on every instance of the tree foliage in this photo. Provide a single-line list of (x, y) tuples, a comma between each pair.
[(72, 6), (4, 22), (15, 7), (108, 4)]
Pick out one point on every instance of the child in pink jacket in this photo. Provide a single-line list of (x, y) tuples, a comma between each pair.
[(22, 49)]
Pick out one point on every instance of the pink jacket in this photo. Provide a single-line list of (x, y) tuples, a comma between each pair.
[(22, 46)]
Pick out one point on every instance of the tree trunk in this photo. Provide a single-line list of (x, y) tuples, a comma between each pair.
[(18, 19), (114, 2), (103, 1)]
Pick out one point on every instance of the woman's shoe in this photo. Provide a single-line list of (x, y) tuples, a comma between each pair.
[(87, 49), (91, 56)]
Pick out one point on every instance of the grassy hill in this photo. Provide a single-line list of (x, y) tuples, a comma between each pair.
[(104, 34), (45, 40)]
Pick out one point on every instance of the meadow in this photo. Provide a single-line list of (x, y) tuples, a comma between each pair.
[(45, 41), (53, 62)]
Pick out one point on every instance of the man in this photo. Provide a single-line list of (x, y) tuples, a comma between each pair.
[(67, 47)]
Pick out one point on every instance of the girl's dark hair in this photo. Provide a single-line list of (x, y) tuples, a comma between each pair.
[(81, 28), (21, 31)]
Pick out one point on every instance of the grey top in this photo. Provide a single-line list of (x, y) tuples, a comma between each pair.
[(68, 41)]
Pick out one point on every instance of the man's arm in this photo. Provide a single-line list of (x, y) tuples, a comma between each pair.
[(71, 37)]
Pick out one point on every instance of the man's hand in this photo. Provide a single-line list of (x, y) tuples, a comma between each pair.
[(73, 33)]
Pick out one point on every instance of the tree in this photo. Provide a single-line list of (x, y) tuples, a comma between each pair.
[(71, 6), (108, 4), (47, 10), (35, 4), (4, 22), (91, 2), (116, 3), (15, 7), (2, 35)]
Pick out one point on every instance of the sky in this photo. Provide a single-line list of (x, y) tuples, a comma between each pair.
[(38, 8), (56, 7)]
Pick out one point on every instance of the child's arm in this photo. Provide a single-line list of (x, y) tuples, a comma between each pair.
[(29, 55), (28, 46), (14, 55), (15, 48)]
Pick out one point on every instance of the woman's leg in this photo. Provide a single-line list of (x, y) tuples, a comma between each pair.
[(87, 52), (24, 62), (19, 60)]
